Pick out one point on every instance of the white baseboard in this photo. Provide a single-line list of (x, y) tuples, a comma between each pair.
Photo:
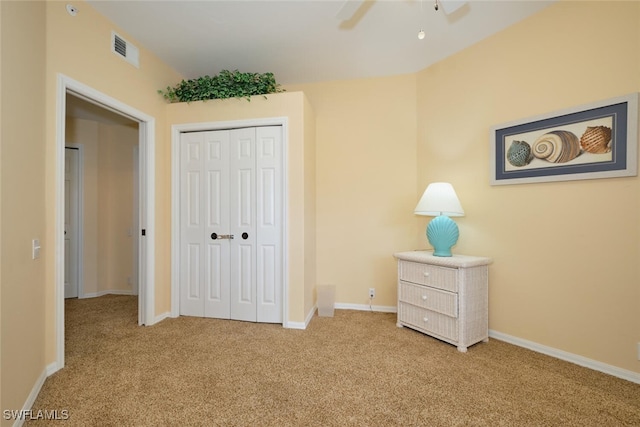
[(159, 318), (310, 314), (348, 306), (296, 325), (107, 292), (301, 325), (52, 368), (569, 357), (366, 307), (28, 404)]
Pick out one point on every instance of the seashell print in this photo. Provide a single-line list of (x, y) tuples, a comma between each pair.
[(596, 139), (558, 146), (519, 153)]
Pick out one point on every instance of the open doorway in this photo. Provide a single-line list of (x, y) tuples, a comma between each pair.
[(101, 206), (142, 194)]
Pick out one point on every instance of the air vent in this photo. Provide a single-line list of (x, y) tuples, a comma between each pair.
[(119, 45), (124, 49)]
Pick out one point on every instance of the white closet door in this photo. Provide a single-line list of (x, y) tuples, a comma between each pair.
[(216, 272), (231, 185), (242, 196), (204, 198), (269, 224)]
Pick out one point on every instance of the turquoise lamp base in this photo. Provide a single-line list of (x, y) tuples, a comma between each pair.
[(442, 233)]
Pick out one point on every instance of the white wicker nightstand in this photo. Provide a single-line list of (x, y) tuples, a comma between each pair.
[(445, 297)]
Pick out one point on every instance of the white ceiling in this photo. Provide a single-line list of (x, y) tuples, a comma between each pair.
[(302, 41)]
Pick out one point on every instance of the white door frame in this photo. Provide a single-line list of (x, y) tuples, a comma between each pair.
[(146, 135), (176, 130), (80, 220), (135, 234)]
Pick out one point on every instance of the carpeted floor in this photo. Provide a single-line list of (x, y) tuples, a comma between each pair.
[(355, 369)]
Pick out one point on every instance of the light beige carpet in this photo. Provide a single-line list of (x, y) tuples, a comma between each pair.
[(355, 369)]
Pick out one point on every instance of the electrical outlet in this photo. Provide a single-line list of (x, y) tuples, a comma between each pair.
[(372, 293)]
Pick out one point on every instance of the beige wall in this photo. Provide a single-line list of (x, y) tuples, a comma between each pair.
[(300, 154), (309, 205), (115, 206), (578, 293), (565, 271), (365, 183), (85, 132), (108, 254), (22, 335), (78, 47)]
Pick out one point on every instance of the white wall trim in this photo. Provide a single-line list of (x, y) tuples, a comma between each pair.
[(28, 404), (366, 307), (135, 235), (297, 325), (302, 325), (569, 357), (146, 304), (175, 201), (159, 318), (108, 292), (341, 306), (147, 220), (51, 369)]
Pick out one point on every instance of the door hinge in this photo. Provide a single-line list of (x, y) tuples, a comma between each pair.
[(144, 232)]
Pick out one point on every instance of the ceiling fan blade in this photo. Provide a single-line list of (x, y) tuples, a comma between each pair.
[(348, 9), (451, 6)]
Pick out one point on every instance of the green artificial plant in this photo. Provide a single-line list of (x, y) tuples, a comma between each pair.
[(227, 84)]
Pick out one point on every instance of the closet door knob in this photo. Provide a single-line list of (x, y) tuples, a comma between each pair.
[(214, 236), (245, 236)]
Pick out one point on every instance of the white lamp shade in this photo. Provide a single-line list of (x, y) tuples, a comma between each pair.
[(439, 199)]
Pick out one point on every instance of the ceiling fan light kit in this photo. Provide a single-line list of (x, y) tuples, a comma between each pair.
[(350, 7), (448, 7)]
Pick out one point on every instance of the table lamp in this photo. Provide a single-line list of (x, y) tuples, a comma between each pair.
[(440, 200)]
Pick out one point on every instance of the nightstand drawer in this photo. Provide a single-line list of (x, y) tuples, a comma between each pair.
[(430, 298), (430, 275), (428, 321)]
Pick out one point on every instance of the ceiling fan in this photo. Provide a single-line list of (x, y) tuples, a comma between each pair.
[(350, 7)]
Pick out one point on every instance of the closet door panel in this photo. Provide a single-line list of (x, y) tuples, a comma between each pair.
[(242, 196), (269, 224), (191, 225), (216, 212), (204, 261)]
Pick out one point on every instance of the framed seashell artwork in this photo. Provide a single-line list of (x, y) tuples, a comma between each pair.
[(597, 140)]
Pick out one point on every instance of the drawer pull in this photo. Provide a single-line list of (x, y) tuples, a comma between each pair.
[(424, 297), (425, 320)]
